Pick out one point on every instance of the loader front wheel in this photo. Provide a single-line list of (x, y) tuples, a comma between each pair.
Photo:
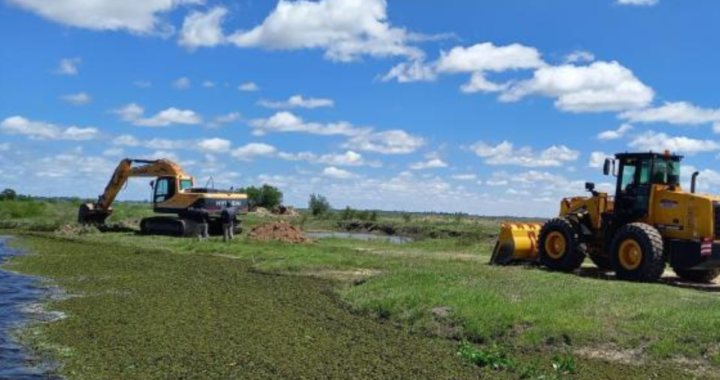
[(637, 253), (560, 246)]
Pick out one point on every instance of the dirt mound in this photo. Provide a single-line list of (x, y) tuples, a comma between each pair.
[(287, 211), (261, 211), (278, 232)]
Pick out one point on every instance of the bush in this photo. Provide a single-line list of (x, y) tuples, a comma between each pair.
[(8, 195), (406, 216), (267, 196), (347, 214), (319, 205), (494, 356), (21, 209)]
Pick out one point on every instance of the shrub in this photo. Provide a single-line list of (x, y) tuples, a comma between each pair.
[(348, 213), (319, 205), (493, 356), (8, 195), (406, 216)]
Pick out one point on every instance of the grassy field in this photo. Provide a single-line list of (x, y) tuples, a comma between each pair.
[(436, 293)]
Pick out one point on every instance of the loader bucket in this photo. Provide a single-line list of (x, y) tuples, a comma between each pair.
[(517, 242), (89, 214)]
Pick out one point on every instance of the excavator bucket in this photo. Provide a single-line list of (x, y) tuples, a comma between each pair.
[(517, 242), (89, 214)]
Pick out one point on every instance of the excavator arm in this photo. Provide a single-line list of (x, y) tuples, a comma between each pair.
[(98, 212)]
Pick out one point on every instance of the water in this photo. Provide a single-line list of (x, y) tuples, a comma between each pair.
[(359, 236), (19, 295)]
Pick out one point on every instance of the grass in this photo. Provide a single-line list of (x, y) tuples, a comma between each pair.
[(549, 325)]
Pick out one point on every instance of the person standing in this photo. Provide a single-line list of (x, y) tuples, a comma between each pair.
[(227, 217), (201, 218)]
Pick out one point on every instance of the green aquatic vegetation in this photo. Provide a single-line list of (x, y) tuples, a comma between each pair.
[(149, 314)]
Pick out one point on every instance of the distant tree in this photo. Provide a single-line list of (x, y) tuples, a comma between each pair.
[(406, 216), (348, 213), (319, 205), (374, 216), (8, 195), (266, 196)]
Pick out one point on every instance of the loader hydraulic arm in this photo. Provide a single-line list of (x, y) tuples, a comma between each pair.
[(96, 213)]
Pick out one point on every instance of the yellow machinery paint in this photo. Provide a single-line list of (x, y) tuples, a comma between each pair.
[(174, 192), (517, 242), (676, 224)]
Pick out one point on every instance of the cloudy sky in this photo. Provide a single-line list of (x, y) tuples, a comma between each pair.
[(498, 107)]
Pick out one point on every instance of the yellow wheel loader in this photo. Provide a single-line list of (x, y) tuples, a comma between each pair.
[(174, 192), (650, 222)]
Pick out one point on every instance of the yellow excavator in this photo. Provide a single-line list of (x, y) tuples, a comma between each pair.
[(649, 223), (174, 192)]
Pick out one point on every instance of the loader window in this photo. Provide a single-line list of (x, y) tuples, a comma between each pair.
[(628, 177), (666, 172), (645, 167)]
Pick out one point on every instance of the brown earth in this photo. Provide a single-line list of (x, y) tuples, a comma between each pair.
[(279, 231)]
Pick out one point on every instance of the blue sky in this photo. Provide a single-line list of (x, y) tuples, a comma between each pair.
[(492, 107)]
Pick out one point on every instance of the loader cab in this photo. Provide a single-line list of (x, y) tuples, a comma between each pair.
[(637, 173)]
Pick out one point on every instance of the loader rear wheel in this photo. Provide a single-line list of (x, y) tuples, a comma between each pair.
[(560, 247), (637, 253), (700, 276)]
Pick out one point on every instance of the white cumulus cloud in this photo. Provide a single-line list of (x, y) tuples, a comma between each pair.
[(344, 29), (386, 142), (659, 142), (69, 66), (615, 134), (40, 130), (678, 113), (182, 83), (79, 99), (249, 87), (214, 145), (598, 87), (288, 122), (337, 173), (506, 154), (203, 29), (254, 150), (298, 101), (136, 16), (134, 113), (638, 2), (434, 163)]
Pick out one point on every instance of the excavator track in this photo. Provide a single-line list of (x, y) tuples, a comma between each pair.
[(169, 226)]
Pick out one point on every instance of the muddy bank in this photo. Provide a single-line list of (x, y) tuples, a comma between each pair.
[(20, 299), (414, 231)]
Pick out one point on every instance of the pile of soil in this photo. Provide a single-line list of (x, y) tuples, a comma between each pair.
[(287, 211), (261, 211), (279, 231)]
